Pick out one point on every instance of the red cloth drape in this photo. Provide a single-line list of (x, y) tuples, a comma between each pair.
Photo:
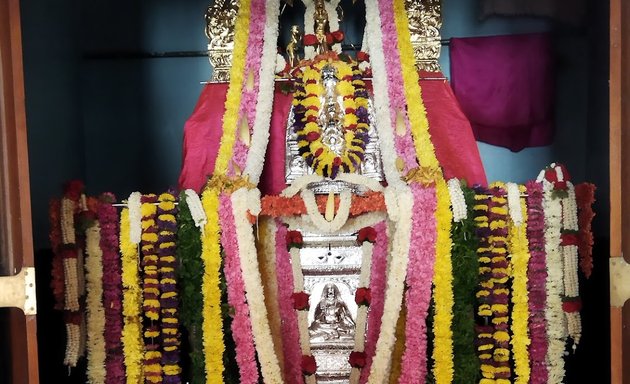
[(456, 148)]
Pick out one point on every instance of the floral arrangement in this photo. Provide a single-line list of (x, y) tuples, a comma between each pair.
[(585, 195)]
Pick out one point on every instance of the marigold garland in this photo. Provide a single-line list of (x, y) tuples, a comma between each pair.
[(278, 206), (443, 289), (133, 346), (169, 293), (212, 326), (150, 290), (519, 256)]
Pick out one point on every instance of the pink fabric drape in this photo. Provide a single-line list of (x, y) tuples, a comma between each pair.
[(505, 86), (456, 148)]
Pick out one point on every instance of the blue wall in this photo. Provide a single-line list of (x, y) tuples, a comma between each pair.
[(117, 123)]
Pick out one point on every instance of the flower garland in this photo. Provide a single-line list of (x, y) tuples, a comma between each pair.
[(443, 289), (585, 194), (279, 206), (169, 294), (264, 103), (556, 328), (190, 275), (57, 279), (536, 280), (569, 242), (70, 255), (307, 104), (234, 93), (458, 201), (150, 289), (94, 303), (377, 284), (363, 297), (300, 300), (320, 222), (241, 204), (465, 281), (420, 273), (112, 289), (290, 331), (425, 150), (132, 301), (212, 326), (395, 286), (519, 256), (241, 324)]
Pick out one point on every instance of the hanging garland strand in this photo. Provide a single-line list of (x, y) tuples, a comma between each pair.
[(465, 280), (169, 294), (190, 274)]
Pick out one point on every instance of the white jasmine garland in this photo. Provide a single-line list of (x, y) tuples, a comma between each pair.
[(67, 220), (554, 315), (299, 184), (355, 178), (458, 201), (304, 223), (135, 217), (281, 63), (264, 102), (196, 209), (514, 203), (95, 312), (570, 253), (345, 200), (381, 95), (73, 332), (391, 202), (254, 289), (394, 291)]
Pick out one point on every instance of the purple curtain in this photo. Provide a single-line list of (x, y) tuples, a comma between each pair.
[(505, 86)]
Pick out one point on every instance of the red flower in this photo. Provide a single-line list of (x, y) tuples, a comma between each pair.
[(336, 37), (550, 175), (337, 161), (357, 359), (309, 39), (363, 296), (318, 152), (569, 238), (362, 56), (294, 239), (73, 189), (366, 234), (300, 301), (312, 136), (309, 366), (572, 304), (561, 185)]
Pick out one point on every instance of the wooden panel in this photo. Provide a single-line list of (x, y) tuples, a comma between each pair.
[(15, 186)]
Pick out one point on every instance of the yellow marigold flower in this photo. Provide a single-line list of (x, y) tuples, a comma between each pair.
[(501, 336)]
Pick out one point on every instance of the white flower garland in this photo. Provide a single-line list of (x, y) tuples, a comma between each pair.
[(364, 280), (254, 289), (281, 63), (264, 102), (299, 184), (70, 265), (394, 291), (135, 217), (554, 315), (571, 283), (458, 201), (352, 225), (381, 95), (323, 225), (94, 304), (196, 209), (514, 203)]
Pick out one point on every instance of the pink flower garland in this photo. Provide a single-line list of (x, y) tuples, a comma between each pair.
[(377, 286), (290, 335), (112, 289), (252, 65), (404, 143), (418, 281), (241, 324), (537, 276)]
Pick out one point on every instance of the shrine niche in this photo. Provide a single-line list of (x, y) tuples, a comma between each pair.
[(334, 225)]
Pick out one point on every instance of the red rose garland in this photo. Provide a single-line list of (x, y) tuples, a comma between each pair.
[(57, 279), (585, 194)]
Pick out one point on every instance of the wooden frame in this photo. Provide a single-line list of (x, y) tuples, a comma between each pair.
[(15, 188)]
